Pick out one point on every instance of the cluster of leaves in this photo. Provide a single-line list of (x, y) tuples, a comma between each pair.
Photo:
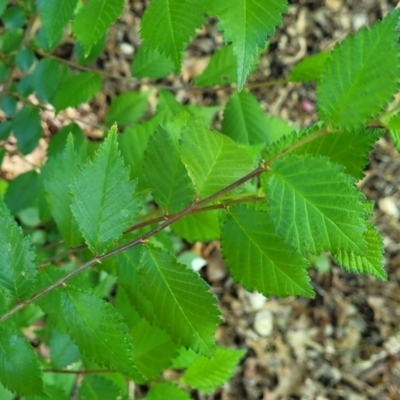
[(124, 306)]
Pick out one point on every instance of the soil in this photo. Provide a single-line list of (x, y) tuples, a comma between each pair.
[(344, 343)]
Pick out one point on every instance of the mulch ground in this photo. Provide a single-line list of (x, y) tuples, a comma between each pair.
[(344, 343)]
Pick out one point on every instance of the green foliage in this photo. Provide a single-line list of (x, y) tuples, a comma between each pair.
[(360, 79), (98, 277), (93, 20), (246, 24), (19, 364), (103, 202), (206, 374)]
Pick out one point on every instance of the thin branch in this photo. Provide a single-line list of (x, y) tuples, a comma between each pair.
[(188, 210), (138, 81), (152, 221), (80, 372)]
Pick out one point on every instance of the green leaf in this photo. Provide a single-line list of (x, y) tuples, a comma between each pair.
[(165, 173), (8, 105), (47, 77), (365, 262), (93, 20), (14, 17), (310, 69), (394, 130), (182, 302), (99, 332), (244, 120), (55, 16), (127, 108), (18, 270), (221, 69), (4, 71), (103, 197), (208, 374), (95, 387), (76, 89), (154, 349), (5, 129), (19, 364), (58, 196), (350, 149), (130, 280), (23, 191), (315, 206), (258, 258), (150, 63), (362, 75), (27, 129), (169, 25), (246, 23), (63, 351), (214, 161), (133, 143), (59, 140), (10, 40), (25, 59), (3, 6), (290, 138), (184, 358), (202, 227), (94, 53), (166, 390)]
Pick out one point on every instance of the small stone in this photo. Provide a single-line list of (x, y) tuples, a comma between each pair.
[(127, 48), (264, 323)]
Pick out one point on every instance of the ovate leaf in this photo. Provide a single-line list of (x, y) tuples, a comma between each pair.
[(315, 206), (55, 16), (182, 302), (47, 77), (169, 25), (350, 149), (150, 63), (99, 332), (221, 69), (103, 197), (362, 75), (166, 174), (127, 108), (258, 258), (95, 387), (394, 129), (27, 129), (154, 349), (208, 374), (19, 364), (76, 89), (369, 261), (58, 196), (204, 226), (130, 280), (133, 143), (244, 120), (310, 69), (166, 390), (213, 160), (247, 24), (18, 270), (93, 20), (63, 350)]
